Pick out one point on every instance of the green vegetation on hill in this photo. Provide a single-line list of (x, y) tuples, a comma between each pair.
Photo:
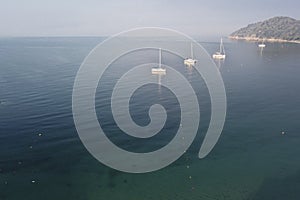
[(282, 28)]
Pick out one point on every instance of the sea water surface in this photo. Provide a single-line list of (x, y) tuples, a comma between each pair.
[(42, 157)]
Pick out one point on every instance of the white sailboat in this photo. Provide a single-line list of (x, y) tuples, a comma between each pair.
[(221, 53), (262, 45), (190, 61), (159, 69)]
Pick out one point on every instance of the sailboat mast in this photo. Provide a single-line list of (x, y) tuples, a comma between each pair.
[(223, 48), (159, 57), (192, 53)]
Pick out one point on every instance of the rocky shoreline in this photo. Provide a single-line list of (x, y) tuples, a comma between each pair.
[(256, 39), (277, 29)]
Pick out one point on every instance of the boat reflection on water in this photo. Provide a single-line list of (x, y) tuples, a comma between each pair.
[(219, 63)]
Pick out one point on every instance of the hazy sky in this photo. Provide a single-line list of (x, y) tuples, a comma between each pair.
[(97, 17)]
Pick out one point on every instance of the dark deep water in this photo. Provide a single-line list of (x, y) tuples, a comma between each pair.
[(42, 157)]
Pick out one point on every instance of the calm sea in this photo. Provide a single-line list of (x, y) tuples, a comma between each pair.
[(42, 157)]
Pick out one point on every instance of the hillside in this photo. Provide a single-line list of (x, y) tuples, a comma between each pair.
[(275, 29)]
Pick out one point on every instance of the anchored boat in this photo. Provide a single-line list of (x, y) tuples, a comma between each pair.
[(159, 69), (190, 61), (221, 53)]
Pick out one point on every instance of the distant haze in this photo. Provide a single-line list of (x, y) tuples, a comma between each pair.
[(101, 18)]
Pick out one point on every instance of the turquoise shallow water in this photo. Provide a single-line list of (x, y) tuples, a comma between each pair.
[(252, 159)]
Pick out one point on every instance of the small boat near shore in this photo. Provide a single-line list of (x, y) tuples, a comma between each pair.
[(262, 45)]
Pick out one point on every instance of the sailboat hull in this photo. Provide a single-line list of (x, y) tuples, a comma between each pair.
[(158, 71), (219, 56), (189, 62)]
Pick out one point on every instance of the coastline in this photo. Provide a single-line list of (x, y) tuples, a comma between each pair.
[(256, 39)]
